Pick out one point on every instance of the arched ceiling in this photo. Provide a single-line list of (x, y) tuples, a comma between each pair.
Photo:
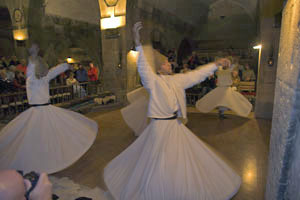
[(82, 10), (195, 11)]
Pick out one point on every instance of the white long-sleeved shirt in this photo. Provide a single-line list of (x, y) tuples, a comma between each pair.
[(38, 89), (167, 93)]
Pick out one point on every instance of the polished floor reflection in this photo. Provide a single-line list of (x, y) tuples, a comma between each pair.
[(243, 142)]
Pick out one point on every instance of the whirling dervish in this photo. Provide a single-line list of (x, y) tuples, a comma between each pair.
[(224, 97), (167, 161), (44, 138)]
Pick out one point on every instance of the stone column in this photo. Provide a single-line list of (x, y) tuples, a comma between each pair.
[(114, 52), (284, 171), (267, 74)]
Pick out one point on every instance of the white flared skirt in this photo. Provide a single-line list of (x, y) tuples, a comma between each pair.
[(45, 139), (225, 97), (135, 114), (168, 162)]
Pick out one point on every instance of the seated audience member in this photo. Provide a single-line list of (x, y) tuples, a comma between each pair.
[(208, 85), (235, 79), (203, 61), (22, 67), (81, 74), (174, 65), (4, 62), (93, 72), (14, 187), (193, 61), (171, 55), (19, 81), (185, 68), (248, 74), (3, 76), (14, 61), (10, 73), (240, 68), (71, 80), (77, 89), (5, 84)]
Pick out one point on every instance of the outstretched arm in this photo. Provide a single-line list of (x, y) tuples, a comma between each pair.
[(55, 71), (30, 71), (194, 77), (147, 74)]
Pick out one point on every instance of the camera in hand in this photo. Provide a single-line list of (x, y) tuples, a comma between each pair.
[(33, 177)]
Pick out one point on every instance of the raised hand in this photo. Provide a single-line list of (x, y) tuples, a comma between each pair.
[(225, 62), (136, 33)]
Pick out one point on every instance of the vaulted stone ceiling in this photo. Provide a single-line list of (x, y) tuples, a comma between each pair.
[(196, 11)]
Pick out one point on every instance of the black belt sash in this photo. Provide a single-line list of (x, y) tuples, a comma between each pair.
[(169, 118), (36, 105)]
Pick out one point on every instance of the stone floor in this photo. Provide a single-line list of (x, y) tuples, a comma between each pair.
[(244, 142)]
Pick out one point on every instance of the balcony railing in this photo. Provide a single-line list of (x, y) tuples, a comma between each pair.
[(14, 103)]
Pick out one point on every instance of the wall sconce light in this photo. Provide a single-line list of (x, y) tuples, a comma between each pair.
[(111, 3), (257, 46), (133, 53), (270, 59), (20, 34), (70, 60), (113, 14)]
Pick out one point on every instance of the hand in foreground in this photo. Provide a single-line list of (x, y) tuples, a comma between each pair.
[(136, 33), (43, 189), (225, 62)]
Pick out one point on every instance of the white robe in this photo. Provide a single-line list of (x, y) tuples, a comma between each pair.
[(167, 161), (45, 138), (224, 96), (135, 114)]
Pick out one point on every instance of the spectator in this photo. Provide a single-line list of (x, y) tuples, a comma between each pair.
[(5, 84), (208, 85), (14, 61), (4, 62), (3, 75), (193, 61), (185, 68), (19, 81), (77, 89), (93, 72), (171, 55), (235, 79), (10, 73), (203, 61), (14, 187), (22, 67), (71, 80), (248, 74), (81, 74)]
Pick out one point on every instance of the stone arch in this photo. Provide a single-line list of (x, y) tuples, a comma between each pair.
[(220, 6)]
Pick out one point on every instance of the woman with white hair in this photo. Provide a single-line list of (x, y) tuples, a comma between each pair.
[(44, 138), (167, 161)]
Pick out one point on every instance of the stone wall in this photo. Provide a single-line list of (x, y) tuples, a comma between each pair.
[(80, 10), (230, 21), (267, 74), (283, 174), (269, 38), (61, 37)]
